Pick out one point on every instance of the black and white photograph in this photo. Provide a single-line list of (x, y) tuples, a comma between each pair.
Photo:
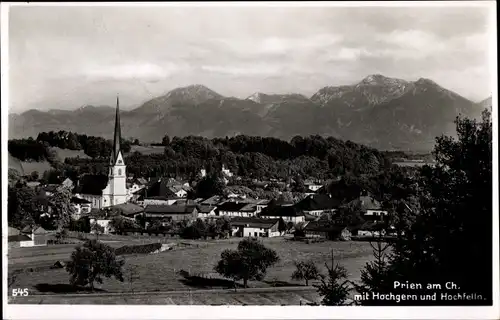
[(327, 156)]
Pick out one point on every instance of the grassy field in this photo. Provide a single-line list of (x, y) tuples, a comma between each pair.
[(160, 272), (147, 150), (38, 166), (62, 154)]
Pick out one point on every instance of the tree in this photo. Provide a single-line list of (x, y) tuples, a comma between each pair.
[(248, 262), (306, 270), (61, 235), (62, 210), (444, 242), (209, 186), (334, 287), (91, 262), (97, 229), (22, 207), (375, 276)]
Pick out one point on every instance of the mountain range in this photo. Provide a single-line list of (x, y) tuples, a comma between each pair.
[(381, 112)]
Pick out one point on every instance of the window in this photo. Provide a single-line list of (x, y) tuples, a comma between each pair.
[(119, 172), (120, 162)]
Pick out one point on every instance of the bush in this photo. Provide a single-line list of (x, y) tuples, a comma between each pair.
[(141, 249)]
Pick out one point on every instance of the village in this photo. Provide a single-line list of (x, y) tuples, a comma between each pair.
[(165, 200)]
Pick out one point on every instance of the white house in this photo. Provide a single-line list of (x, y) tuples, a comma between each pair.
[(288, 213), (318, 204), (371, 208), (237, 209), (206, 211), (255, 227)]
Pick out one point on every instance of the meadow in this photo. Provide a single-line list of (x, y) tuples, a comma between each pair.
[(160, 272)]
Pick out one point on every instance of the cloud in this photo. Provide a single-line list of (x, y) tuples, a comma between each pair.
[(150, 50), (145, 71), (244, 71)]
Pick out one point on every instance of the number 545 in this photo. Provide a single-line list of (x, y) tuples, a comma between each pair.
[(20, 292)]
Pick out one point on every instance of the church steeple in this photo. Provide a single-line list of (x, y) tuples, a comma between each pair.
[(118, 134)]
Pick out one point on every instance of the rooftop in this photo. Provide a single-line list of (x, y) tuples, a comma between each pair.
[(281, 211), (166, 209), (254, 222), (318, 202)]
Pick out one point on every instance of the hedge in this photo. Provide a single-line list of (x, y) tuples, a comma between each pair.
[(144, 248)]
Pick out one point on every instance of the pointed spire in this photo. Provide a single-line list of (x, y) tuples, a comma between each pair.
[(117, 135)]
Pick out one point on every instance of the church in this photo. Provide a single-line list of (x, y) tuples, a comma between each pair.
[(105, 191)]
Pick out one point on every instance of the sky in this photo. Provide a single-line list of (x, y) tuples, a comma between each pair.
[(67, 57)]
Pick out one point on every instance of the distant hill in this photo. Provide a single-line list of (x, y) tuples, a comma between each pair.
[(382, 112)]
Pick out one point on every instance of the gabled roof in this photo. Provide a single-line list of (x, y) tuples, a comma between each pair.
[(166, 209), (279, 202), (318, 202), (127, 209), (254, 222), (158, 188), (281, 211), (34, 229), (91, 184), (368, 203), (232, 206)]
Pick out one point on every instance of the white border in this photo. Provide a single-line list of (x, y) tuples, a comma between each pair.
[(249, 312)]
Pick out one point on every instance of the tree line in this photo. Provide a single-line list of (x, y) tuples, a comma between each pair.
[(246, 156)]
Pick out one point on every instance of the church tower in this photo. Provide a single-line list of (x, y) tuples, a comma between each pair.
[(116, 191)]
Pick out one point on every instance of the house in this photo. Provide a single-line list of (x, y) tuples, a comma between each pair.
[(237, 209), (162, 189), (38, 235), (206, 211), (19, 241), (133, 188), (80, 206), (370, 229), (371, 209), (322, 229), (287, 213), (127, 210), (157, 201), (318, 204), (261, 204), (172, 212), (312, 185), (256, 227)]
